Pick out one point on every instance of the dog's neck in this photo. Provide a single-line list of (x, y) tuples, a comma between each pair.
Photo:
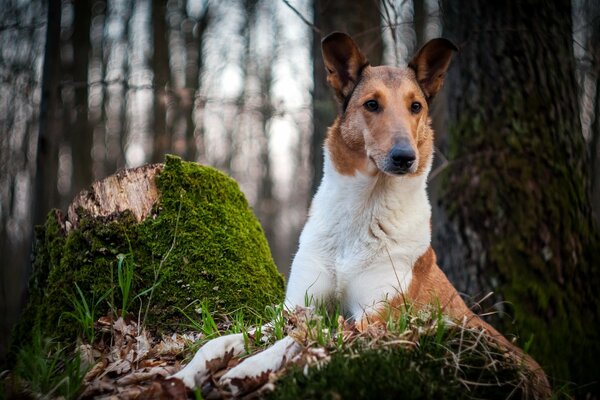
[(352, 182), (370, 230), (380, 201), (365, 231)]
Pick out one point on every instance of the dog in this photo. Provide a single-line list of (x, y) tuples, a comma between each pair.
[(367, 242)]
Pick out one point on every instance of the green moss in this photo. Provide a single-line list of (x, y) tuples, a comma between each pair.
[(202, 242), (513, 188), (430, 370), (47, 246)]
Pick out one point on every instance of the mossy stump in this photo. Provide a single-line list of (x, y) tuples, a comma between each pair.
[(186, 230)]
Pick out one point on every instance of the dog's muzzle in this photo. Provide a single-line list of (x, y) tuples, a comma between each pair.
[(401, 159)]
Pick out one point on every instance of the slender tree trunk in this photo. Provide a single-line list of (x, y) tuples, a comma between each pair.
[(101, 52), (594, 46), (267, 203), (595, 152), (50, 131), (161, 69), (194, 38), (81, 134), (420, 22), (121, 142), (362, 20), (516, 217)]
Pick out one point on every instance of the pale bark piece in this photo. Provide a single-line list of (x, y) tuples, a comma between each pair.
[(130, 189)]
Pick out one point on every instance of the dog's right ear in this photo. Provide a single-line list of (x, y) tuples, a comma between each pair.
[(344, 63), (431, 63)]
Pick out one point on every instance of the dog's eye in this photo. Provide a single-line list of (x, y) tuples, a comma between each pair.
[(372, 105), (415, 107)]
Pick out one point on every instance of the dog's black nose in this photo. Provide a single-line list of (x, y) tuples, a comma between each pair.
[(402, 157)]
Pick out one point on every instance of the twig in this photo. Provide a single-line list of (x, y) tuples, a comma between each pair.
[(102, 82), (307, 22), (439, 169), (392, 28)]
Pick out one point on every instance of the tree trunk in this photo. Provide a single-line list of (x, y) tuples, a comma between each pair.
[(267, 206), (46, 193), (362, 20), (81, 134), (595, 149), (194, 38), (515, 215), (594, 47), (119, 143), (100, 53), (420, 22), (161, 70)]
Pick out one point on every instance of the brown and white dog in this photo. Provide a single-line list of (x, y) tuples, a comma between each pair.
[(367, 242)]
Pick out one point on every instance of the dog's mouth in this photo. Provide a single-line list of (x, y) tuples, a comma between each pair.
[(389, 167), (399, 170)]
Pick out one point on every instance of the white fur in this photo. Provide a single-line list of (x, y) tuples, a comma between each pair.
[(363, 235), (271, 359), (195, 373)]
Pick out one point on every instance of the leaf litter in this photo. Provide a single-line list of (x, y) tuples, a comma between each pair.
[(135, 364)]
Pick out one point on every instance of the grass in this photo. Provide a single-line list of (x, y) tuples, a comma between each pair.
[(45, 369), (84, 313), (125, 279), (247, 322), (416, 355), (206, 325)]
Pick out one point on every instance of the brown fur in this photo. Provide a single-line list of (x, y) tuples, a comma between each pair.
[(348, 156), (360, 140), (359, 130), (429, 285)]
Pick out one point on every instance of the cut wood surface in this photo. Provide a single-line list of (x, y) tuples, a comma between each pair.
[(131, 189)]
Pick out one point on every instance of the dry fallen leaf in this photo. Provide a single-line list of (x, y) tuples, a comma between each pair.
[(251, 383)]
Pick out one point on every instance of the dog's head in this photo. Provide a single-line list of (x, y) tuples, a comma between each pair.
[(385, 109)]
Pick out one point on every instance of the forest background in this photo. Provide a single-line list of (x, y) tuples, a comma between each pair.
[(88, 87)]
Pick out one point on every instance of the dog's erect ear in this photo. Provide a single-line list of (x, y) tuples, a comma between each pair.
[(430, 64), (344, 63)]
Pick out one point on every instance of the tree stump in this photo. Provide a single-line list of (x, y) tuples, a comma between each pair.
[(184, 230)]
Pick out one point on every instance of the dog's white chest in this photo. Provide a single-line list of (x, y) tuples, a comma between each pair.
[(360, 242)]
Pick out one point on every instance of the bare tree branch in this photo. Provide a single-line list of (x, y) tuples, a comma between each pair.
[(307, 22)]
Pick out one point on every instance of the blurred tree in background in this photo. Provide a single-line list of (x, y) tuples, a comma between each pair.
[(362, 20), (517, 209), (92, 86)]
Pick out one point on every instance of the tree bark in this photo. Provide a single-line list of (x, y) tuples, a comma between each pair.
[(81, 135), (594, 47), (515, 216), (129, 189), (362, 20), (194, 38), (595, 152), (420, 22), (50, 132), (161, 70), (267, 206), (119, 144)]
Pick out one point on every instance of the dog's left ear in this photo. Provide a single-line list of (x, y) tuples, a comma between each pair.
[(431, 63), (344, 63)]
